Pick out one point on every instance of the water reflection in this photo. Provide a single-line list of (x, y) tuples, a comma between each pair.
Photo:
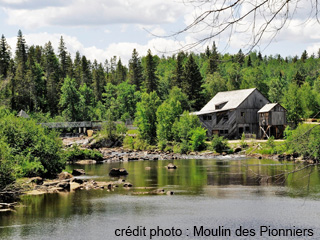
[(195, 180)]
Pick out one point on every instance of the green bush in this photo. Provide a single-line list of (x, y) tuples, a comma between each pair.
[(128, 142), (162, 144), (219, 144), (7, 171), (75, 153), (243, 143), (36, 151), (198, 138)]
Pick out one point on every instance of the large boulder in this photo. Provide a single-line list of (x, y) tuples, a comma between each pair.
[(64, 175), (115, 172)]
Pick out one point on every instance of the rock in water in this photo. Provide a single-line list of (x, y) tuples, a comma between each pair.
[(78, 172), (171, 166), (114, 172)]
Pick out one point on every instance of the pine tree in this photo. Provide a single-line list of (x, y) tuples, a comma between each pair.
[(19, 93), (63, 58), (51, 70), (77, 69), (177, 78), (151, 80), (213, 59), (135, 70), (5, 56), (192, 83), (120, 73), (85, 71), (98, 79)]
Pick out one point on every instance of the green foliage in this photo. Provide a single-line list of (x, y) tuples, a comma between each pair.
[(243, 142), (75, 153), (146, 119), (182, 127), (219, 144), (7, 171), (197, 139), (35, 150), (121, 129), (128, 142), (167, 113), (304, 140)]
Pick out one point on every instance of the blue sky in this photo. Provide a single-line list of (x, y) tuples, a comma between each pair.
[(101, 29)]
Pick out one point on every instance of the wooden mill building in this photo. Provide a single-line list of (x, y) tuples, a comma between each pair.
[(232, 113), (272, 120)]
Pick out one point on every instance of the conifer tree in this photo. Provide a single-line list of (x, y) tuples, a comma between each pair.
[(213, 59), (151, 80), (98, 79), (135, 70), (62, 52), (192, 83), (5, 56), (177, 78)]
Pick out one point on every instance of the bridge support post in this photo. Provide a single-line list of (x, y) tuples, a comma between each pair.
[(85, 130), (80, 129)]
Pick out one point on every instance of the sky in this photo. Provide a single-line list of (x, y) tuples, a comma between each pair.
[(101, 29)]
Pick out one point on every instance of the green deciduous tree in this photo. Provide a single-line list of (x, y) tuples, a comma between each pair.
[(146, 118)]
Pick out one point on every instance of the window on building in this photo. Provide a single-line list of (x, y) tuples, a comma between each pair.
[(226, 117), (221, 132), (247, 129), (240, 130), (207, 117), (226, 132), (242, 114)]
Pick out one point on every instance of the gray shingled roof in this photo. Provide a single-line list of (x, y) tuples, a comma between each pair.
[(267, 108), (232, 98)]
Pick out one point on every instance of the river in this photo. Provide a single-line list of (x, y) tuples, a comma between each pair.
[(220, 198)]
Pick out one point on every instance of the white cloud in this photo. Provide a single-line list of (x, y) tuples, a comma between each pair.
[(121, 49), (90, 13)]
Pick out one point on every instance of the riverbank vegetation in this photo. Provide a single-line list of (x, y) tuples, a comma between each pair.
[(156, 93)]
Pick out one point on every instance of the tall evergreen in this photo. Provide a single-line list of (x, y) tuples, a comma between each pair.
[(18, 85), (86, 77), (177, 78), (98, 79), (213, 59), (151, 80), (5, 56), (135, 70), (62, 52), (192, 83), (120, 73), (51, 71)]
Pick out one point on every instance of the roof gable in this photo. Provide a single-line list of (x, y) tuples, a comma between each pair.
[(232, 100)]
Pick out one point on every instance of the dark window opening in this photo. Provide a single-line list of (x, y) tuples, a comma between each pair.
[(226, 117), (226, 132), (221, 132), (240, 130), (242, 114), (207, 117), (247, 129)]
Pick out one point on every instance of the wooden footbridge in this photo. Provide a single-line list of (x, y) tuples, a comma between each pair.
[(83, 126)]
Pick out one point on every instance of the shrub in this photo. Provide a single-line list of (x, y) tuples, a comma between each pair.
[(243, 143), (219, 144), (34, 149), (75, 153), (7, 173), (197, 140), (128, 142), (162, 144)]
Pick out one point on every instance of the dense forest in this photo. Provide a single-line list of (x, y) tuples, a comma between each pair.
[(52, 85), (156, 92)]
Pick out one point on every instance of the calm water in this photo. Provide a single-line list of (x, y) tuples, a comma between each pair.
[(226, 193)]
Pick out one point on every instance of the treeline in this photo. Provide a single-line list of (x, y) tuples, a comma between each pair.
[(46, 83)]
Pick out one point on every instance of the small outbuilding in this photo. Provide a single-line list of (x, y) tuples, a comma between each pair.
[(272, 120)]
